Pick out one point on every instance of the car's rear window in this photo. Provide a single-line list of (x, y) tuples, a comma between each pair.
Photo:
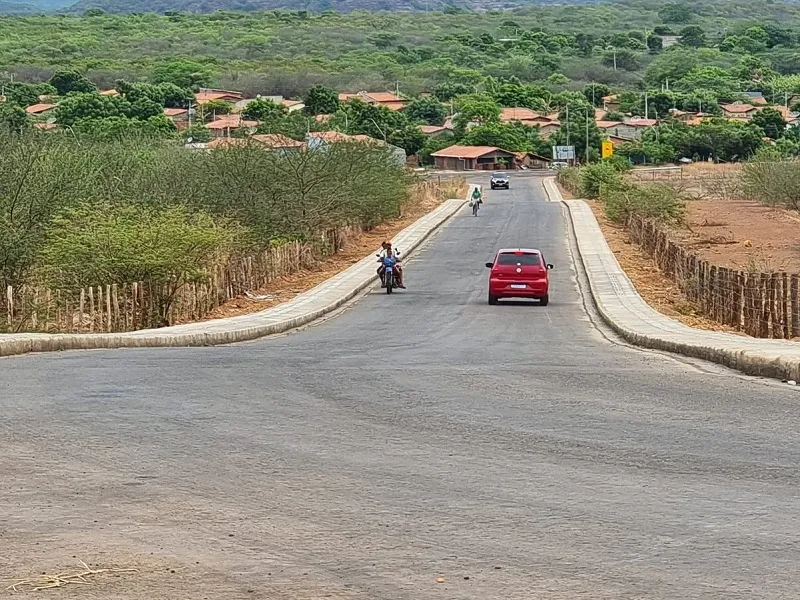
[(526, 259)]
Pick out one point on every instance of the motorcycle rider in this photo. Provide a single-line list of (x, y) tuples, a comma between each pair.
[(388, 251)]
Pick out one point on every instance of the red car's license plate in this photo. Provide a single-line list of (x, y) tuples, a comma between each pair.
[(518, 286)]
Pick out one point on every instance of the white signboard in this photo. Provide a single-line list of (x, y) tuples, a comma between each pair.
[(564, 152)]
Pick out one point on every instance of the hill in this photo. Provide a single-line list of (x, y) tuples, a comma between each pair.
[(206, 6)]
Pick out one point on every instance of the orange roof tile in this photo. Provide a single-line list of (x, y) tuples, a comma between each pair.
[(642, 123), (607, 124), (431, 129), (204, 96), (231, 122), (467, 151), (39, 108), (111, 92), (518, 114), (737, 108), (174, 112), (276, 140)]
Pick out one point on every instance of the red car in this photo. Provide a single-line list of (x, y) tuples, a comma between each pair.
[(519, 273)]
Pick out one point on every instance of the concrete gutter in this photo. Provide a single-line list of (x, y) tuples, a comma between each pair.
[(305, 308), (621, 306)]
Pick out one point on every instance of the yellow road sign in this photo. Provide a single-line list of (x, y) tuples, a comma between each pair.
[(608, 149)]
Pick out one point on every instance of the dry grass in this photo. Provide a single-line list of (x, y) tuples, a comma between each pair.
[(80, 576)]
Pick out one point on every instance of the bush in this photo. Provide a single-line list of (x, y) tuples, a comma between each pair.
[(657, 202), (770, 180), (48, 184), (594, 177), (570, 179)]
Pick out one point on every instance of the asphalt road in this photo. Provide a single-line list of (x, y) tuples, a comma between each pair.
[(512, 450)]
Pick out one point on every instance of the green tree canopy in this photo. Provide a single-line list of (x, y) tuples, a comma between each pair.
[(426, 110), (66, 81), (320, 100)]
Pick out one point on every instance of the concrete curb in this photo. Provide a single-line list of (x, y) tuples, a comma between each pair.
[(624, 310), (305, 308)]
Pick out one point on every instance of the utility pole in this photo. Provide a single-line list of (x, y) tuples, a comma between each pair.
[(646, 107), (587, 136), (567, 124), (615, 59)]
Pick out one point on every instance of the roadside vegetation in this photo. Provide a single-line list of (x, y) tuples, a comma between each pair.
[(622, 199), (80, 212)]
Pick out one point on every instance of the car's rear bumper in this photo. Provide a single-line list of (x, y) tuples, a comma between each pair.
[(500, 185), (532, 289)]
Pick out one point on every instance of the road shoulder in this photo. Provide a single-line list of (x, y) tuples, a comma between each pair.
[(626, 312)]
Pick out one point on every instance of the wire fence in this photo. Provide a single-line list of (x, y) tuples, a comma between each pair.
[(765, 305)]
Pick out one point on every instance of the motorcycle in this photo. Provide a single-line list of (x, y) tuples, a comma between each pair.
[(387, 277)]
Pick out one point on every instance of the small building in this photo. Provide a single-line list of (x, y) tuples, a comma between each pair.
[(531, 160), (40, 110), (179, 116), (756, 98), (471, 158), (277, 141), (206, 95), (616, 129), (738, 110), (433, 130), (292, 105), (223, 126), (508, 115), (610, 103), (112, 93), (387, 99), (320, 140)]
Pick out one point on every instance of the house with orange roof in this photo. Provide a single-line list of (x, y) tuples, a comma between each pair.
[(321, 140), (610, 103), (40, 110), (387, 99), (111, 92), (738, 110), (432, 130), (507, 115), (223, 126), (206, 95), (179, 116), (472, 158)]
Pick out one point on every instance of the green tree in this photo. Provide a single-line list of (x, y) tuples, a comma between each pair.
[(89, 243), (13, 118), (185, 74), (320, 100), (409, 138), (198, 134), (27, 94), (575, 132), (624, 58), (209, 109), (595, 92), (372, 119), (426, 110), (676, 12), (771, 121), (66, 81), (693, 36), (655, 43), (448, 90), (264, 110), (89, 106), (475, 108)]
